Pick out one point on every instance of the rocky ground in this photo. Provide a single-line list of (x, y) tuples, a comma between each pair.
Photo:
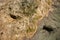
[(29, 19), (52, 22)]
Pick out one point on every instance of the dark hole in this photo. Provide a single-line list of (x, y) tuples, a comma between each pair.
[(1, 8), (47, 28), (23, 4), (36, 7), (1, 33), (10, 8), (13, 16), (56, 6), (58, 38), (18, 28)]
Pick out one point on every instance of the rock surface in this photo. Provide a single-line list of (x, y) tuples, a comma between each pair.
[(29, 19)]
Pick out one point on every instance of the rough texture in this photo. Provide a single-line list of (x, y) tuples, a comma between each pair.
[(29, 19)]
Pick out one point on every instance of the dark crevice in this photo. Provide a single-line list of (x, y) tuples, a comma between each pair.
[(49, 29), (58, 38), (18, 28), (1, 33), (13, 16), (1, 8), (36, 6), (10, 8), (54, 6)]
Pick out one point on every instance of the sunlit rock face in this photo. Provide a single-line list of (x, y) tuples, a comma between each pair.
[(19, 18)]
